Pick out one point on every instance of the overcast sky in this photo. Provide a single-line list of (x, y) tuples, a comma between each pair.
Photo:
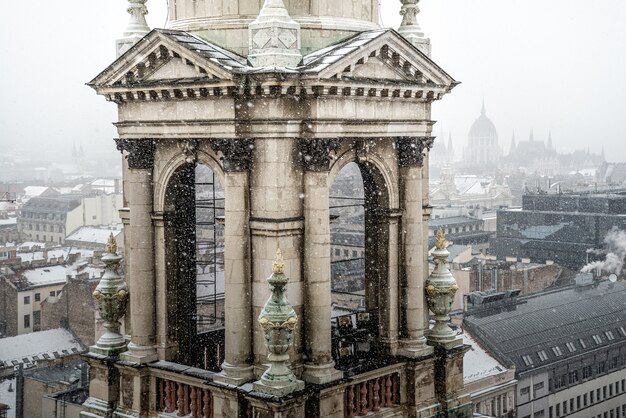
[(542, 64)]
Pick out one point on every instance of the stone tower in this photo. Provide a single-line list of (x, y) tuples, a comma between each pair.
[(228, 157)]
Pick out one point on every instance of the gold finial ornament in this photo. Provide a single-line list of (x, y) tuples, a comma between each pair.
[(111, 245), (278, 266), (440, 240)]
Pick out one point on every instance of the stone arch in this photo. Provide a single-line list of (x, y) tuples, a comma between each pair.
[(380, 199), (164, 174), (180, 249)]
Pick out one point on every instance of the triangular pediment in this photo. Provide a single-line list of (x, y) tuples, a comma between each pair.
[(380, 54), (169, 55)]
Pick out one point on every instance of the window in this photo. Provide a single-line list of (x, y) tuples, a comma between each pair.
[(542, 355), (585, 399), (26, 321), (26, 300), (337, 251), (601, 367), (524, 391), (37, 297), (346, 253), (557, 351), (52, 293), (609, 335), (597, 339), (573, 377), (559, 382), (527, 360), (587, 372), (582, 343), (539, 414), (623, 331), (571, 347), (355, 254), (614, 363)]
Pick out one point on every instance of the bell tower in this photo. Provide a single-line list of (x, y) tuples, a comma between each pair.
[(238, 126)]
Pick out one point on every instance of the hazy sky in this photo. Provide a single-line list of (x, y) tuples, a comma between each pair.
[(542, 64)]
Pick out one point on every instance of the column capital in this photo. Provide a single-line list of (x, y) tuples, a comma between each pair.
[(315, 153), (236, 153), (411, 150), (140, 152)]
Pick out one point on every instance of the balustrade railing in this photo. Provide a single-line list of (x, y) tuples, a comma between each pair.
[(184, 400), (372, 395)]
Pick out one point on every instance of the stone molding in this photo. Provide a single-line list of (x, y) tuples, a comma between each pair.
[(315, 154), (236, 153), (412, 150), (139, 152)]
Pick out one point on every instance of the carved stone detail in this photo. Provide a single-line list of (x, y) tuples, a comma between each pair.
[(140, 152), (189, 147), (411, 150), (316, 153), (236, 153)]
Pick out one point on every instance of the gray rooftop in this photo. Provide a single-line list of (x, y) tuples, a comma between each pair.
[(548, 320)]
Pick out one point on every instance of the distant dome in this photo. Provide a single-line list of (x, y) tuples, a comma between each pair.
[(482, 141), (483, 127)]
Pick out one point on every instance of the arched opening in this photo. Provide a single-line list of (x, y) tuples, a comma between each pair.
[(195, 266), (359, 262)]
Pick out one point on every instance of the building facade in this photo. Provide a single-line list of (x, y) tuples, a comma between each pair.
[(274, 129)]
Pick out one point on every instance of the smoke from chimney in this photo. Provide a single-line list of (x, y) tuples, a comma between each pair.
[(615, 242)]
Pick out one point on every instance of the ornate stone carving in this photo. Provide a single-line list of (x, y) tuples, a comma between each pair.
[(236, 153), (140, 152), (137, 27), (316, 153), (111, 297), (411, 151), (410, 28), (440, 290), (189, 147), (278, 321), (274, 37)]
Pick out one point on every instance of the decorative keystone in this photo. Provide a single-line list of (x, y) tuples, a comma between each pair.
[(440, 290), (278, 320), (111, 297), (274, 37)]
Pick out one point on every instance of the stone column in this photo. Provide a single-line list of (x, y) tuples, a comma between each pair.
[(413, 307), (165, 347), (389, 288), (320, 367), (141, 348), (237, 368)]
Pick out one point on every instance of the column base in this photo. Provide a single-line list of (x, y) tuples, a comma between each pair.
[(278, 389), (234, 375), (321, 374), (414, 348), (445, 343), (139, 354)]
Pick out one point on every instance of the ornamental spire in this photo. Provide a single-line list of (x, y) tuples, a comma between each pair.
[(274, 37), (137, 27), (410, 28)]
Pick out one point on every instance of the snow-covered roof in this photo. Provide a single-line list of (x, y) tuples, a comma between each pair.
[(46, 276), (9, 221), (93, 235), (36, 346), (478, 364), (32, 191)]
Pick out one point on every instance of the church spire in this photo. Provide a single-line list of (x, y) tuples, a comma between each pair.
[(274, 37), (483, 112), (550, 139), (410, 28), (137, 27), (531, 138), (513, 144), (450, 147)]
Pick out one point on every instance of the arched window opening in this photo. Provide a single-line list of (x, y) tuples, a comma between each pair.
[(359, 264), (195, 266)]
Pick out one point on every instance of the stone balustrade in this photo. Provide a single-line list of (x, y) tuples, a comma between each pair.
[(184, 400), (372, 395)]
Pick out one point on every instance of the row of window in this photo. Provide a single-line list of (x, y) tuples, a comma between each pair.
[(346, 253), (46, 228), (45, 238), (460, 229), (44, 216), (573, 346), (38, 296), (574, 376), (588, 399)]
